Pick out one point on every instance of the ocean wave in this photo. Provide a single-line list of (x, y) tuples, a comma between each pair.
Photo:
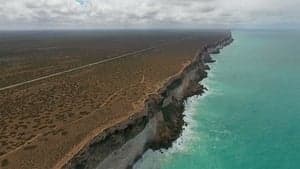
[(189, 136), (182, 145)]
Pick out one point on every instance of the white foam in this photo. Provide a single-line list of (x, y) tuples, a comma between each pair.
[(189, 136)]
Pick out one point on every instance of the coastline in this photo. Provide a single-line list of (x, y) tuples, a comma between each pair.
[(156, 126)]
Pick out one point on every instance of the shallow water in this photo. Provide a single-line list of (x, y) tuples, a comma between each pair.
[(250, 117)]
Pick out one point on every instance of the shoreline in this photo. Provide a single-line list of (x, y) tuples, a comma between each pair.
[(158, 124)]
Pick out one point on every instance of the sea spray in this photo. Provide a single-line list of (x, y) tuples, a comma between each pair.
[(181, 145)]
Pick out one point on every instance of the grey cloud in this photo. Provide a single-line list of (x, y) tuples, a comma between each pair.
[(146, 13), (207, 9)]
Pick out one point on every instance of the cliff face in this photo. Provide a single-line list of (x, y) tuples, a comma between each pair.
[(157, 126)]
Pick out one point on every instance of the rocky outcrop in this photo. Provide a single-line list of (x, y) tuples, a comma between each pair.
[(157, 126)]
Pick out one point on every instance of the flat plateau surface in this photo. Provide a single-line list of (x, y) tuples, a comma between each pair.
[(83, 85)]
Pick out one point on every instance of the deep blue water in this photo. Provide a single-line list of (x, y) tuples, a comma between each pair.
[(250, 117)]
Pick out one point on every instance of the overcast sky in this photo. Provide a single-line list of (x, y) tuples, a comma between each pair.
[(80, 14)]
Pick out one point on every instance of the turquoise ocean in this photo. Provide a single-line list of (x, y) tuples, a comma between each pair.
[(250, 116)]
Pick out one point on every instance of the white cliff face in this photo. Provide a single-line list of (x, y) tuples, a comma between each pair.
[(133, 148)]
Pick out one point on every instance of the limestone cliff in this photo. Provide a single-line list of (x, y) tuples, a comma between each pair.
[(157, 126)]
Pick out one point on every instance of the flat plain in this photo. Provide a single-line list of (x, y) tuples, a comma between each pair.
[(43, 121)]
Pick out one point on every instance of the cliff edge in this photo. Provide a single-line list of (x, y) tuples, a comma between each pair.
[(156, 126)]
